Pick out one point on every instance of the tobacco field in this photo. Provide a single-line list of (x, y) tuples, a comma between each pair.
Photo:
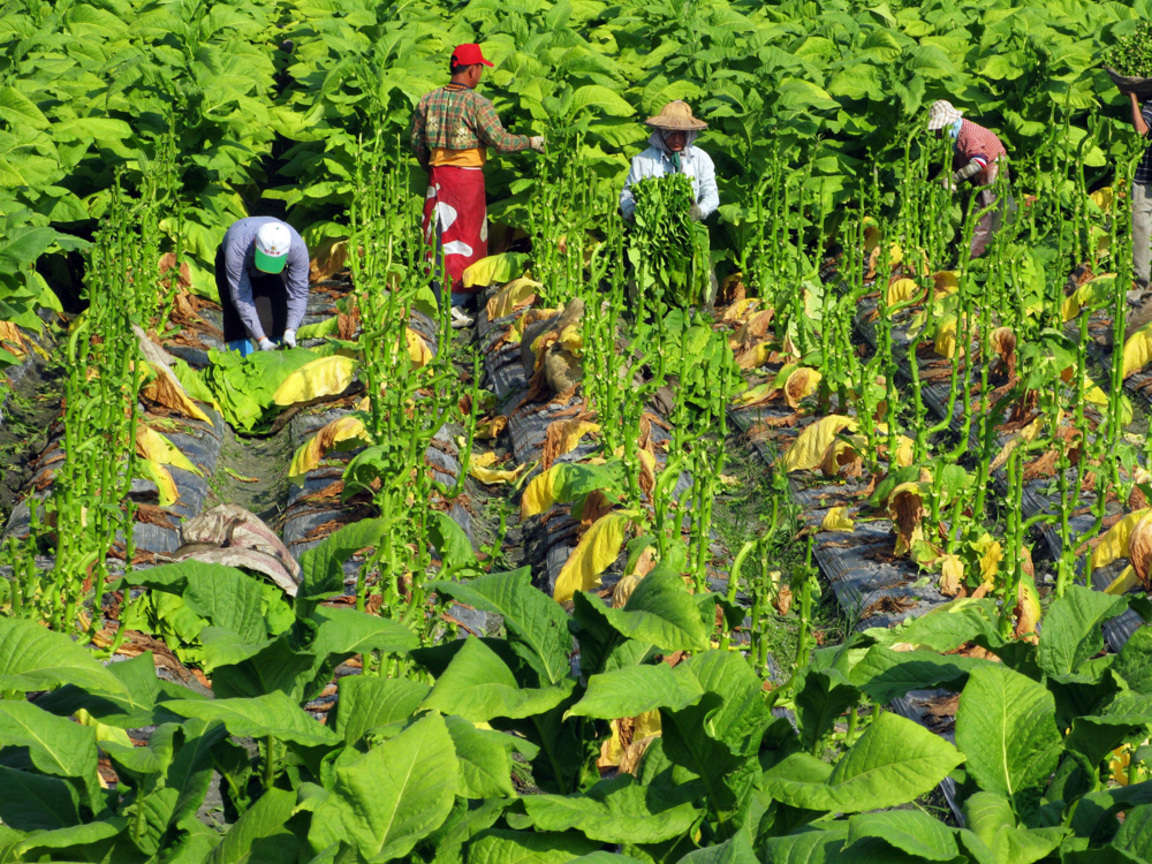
[(852, 565)]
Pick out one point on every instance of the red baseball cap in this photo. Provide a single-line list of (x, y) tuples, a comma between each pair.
[(468, 54)]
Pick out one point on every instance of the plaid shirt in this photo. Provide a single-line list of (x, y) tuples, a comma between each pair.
[(457, 118), (976, 142), (1143, 174)]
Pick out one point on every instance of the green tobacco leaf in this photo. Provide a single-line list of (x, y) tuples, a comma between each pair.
[(56, 745), (993, 836), (910, 831), (660, 611), (892, 763), (634, 689), (485, 760), (536, 623), (68, 838), (273, 666), (1135, 835), (884, 674), (818, 844), (1134, 664), (944, 628), (348, 631), (271, 714), (738, 850), (619, 810), (479, 686), (392, 797), (34, 658), (230, 599), (528, 847), (1006, 728), (262, 820), (32, 802), (451, 542), (1071, 633), (1096, 735), (367, 702), (322, 566)]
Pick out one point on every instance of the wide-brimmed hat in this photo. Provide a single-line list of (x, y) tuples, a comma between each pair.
[(677, 117), (942, 115)]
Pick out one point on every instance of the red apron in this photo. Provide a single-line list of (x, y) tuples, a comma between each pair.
[(456, 220)]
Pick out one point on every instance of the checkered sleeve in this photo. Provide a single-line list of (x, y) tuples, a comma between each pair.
[(1146, 113), (418, 138), (492, 133)]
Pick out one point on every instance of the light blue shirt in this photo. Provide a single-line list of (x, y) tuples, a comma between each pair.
[(656, 161)]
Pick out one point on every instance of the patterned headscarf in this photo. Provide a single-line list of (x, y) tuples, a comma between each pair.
[(942, 114)]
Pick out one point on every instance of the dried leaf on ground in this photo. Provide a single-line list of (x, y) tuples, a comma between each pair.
[(152, 445), (836, 519), (479, 467), (310, 454)]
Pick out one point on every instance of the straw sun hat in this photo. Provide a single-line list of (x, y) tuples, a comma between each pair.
[(676, 116)]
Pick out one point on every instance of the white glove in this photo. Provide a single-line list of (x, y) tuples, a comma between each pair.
[(536, 142), (266, 344), (290, 338)]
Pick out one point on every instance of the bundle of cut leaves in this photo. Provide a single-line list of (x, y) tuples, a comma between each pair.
[(668, 249), (247, 388), (1131, 56)]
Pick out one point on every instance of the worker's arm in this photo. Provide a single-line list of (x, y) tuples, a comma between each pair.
[(708, 197), (240, 288), (627, 202), (1138, 121), (417, 138), (297, 283), (492, 133)]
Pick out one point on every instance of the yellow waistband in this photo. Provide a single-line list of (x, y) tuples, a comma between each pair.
[(472, 158)]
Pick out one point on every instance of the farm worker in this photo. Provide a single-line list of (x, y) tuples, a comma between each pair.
[(671, 151), (1142, 209), (451, 129), (977, 157), (262, 279)]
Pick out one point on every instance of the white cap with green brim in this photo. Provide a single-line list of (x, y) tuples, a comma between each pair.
[(272, 242)]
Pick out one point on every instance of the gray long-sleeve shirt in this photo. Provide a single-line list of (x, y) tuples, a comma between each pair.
[(239, 266)]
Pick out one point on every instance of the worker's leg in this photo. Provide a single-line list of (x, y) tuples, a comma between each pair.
[(986, 225), (1141, 234)]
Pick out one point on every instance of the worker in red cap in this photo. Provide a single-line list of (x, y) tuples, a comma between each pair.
[(451, 129)]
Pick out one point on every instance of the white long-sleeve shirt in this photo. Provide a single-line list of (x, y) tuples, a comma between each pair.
[(656, 161)]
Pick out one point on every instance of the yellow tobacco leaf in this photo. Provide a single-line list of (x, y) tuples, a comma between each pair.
[(479, 468), (1091, 292), (540, 493), (1125, 582), (902, 290), (572, 338), (951, 575), (326, 376), (906, 509), (800, 384), (755, 356), (945, 343), (646, 725), (11, 340), (836, 519), (562, 436), (807, 451), (489, 429), (1027, 608), (1103, 198), (165, 389), (755, 394), (512, 295), (309, 455), (598, 548), (493, 270), (1028, 433), (1137, 351), (1114, 542), (152, 445), (103, 733), (740, 310), (418, 350), (905, 449), (991, 553), (159, 475), (945, 282)]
